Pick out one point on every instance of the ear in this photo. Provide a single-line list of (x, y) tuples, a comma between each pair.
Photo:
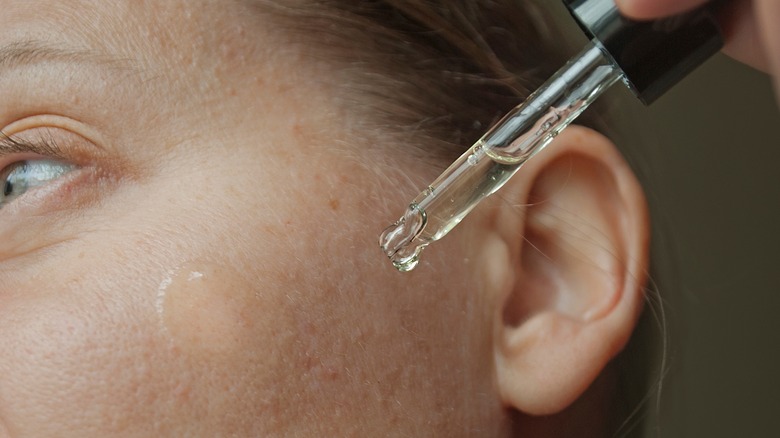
[(566, 270)]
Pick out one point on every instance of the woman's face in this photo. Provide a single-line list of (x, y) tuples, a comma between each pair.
[(199, 256)]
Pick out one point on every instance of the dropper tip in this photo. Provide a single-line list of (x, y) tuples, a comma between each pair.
[(396, 240), (407, 264)]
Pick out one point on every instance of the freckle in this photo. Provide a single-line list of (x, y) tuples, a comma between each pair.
[(307, 328), (182, 393), (334, 204), (297, 130)]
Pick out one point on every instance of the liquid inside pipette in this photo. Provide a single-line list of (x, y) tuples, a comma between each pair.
[(487, 165)]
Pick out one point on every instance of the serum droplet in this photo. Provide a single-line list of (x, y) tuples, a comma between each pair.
[(397, 240), (204, 307), (407, 259)]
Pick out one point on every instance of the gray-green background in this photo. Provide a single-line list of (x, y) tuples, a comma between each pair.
[(714, 181)]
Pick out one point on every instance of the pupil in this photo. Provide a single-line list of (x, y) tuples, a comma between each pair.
[(8, 188)]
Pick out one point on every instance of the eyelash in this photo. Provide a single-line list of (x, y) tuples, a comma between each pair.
[(15, 150), (43, 146)]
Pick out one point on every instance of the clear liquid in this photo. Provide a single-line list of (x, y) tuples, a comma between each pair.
[(443, 205), (487, 165)]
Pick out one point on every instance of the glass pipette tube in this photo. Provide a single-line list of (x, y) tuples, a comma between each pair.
[(494, 158)]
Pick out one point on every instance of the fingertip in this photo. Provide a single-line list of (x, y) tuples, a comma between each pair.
[(650, 9), (628, 7)]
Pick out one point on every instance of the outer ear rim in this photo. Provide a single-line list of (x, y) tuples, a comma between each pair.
[(597, 338)]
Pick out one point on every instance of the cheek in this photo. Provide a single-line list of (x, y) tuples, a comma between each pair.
[(109, 350), (279, 310), (72, 364), (208, 309)]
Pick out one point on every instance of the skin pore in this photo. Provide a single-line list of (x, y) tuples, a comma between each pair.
[(210, 265)]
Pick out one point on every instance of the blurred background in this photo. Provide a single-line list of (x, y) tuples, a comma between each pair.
[(714, 183), (708, 155)]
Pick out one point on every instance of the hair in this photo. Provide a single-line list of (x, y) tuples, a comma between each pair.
[(440, 73)]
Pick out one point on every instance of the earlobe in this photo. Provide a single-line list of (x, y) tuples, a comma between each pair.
[(574, 261)]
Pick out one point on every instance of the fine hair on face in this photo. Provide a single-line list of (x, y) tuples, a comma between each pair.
[(192, 196)]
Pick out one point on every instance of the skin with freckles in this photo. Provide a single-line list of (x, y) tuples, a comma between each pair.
[(210, 267)]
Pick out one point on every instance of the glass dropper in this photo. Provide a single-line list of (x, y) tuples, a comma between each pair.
[(494, 158), (650, 57)]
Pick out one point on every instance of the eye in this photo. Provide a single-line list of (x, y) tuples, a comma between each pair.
[(22, 176)]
